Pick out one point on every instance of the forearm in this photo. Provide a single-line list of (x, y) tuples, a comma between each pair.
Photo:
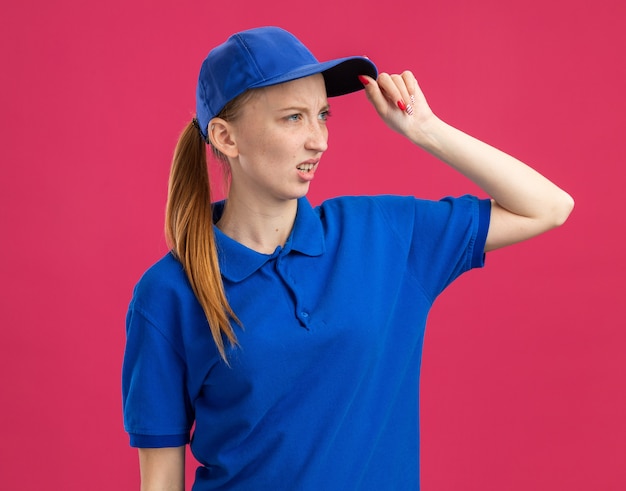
[(510, 183), (162, 469)]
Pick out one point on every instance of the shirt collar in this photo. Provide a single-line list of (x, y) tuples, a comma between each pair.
[(237, 261)]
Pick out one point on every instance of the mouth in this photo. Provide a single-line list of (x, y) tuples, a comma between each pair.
[(306, 167)]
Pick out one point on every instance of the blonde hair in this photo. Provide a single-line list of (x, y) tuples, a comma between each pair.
[(189, 225)]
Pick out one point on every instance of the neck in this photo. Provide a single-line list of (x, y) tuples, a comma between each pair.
[(261, 228)]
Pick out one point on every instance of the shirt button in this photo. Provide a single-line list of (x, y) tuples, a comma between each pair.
[(304, 314)]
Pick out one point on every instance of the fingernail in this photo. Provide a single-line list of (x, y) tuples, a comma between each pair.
[(409, 110), (401, 105), (363, 80), (412, 99)]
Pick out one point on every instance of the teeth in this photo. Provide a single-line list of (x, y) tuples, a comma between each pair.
[(306, 167)]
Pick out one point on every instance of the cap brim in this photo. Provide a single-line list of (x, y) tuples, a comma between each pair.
[(342, 78), (340, 75)]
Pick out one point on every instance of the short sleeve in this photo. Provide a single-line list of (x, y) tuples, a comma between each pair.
[(447, 237), (452, 232), (157, 412)]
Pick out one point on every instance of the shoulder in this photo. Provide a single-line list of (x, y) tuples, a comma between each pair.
[(394, 210), (164, 276), (395, 203), (363, 208), (405, 217), (163, 292)]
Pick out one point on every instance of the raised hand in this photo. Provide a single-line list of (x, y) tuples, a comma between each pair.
[(401, 104)]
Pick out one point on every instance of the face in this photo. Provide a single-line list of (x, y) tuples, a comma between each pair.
[(280, 136)]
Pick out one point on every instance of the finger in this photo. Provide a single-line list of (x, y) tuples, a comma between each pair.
[(412, 87), (373, 91), (390, 90), (410, 84), (404, 93), (409, 80), (398, 90)]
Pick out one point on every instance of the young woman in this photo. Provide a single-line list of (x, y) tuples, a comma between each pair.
[(290, 337)]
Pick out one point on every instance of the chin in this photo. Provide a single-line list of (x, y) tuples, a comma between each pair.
[(301, 192)]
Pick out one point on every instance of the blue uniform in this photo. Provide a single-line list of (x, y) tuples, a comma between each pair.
[(322, 391)]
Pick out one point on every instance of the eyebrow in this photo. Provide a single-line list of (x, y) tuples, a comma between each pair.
[(301, 109)]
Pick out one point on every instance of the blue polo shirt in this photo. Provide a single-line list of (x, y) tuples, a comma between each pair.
[(322, 391)]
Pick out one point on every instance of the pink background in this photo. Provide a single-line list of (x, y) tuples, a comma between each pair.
[(524, 367)]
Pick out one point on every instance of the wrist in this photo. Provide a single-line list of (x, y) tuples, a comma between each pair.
[(427, 133)]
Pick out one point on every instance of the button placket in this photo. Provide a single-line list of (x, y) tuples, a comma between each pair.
[(302, 313)]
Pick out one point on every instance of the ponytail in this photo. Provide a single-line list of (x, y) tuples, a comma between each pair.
[(189, 233)]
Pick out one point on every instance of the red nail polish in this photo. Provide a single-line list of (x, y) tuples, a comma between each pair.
[(401, 105), (363, 80)]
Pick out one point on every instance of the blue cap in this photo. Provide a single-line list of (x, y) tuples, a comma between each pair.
[(268, 56)]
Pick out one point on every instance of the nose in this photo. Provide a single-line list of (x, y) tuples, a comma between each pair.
[(317, 139)]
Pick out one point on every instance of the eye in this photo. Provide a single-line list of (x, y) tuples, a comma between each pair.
[(324, 115), (294, 117)]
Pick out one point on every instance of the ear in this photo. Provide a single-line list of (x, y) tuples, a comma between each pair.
[(220, 133)]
